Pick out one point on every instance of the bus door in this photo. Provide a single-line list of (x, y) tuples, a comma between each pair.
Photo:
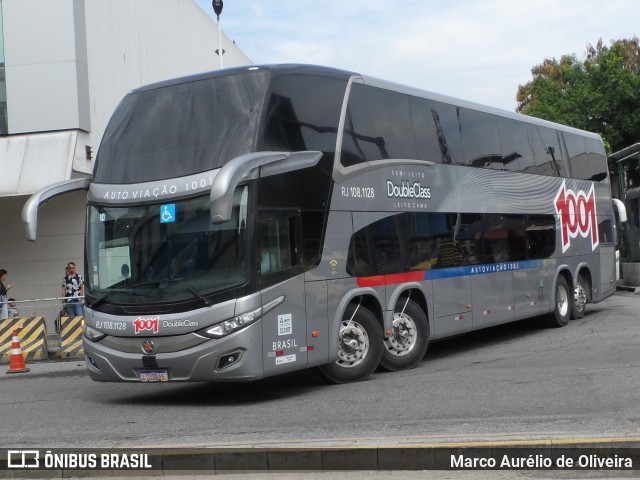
[(284, 325), (531, 296), (451, 303), (607, 256), (492, 293), (496, 245), (533, 273), (451, 289)]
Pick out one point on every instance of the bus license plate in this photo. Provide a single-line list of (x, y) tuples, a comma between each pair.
[(154, 376)]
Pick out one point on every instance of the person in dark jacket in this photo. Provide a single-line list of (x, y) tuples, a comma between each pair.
[(4, 289)]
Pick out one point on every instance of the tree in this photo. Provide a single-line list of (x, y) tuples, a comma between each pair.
[(600, 94)]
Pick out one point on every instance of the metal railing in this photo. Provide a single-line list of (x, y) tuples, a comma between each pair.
[(49, 308)]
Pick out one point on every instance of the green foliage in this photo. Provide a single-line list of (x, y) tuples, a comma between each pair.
[(600, 94)]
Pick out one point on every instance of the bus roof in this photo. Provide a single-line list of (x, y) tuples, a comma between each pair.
[(292, 68)]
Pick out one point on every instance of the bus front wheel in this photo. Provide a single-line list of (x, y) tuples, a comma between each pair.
[(562, 301), (360, 347), (409, 339)]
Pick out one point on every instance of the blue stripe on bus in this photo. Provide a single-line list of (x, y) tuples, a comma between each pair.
[(438, 273), (483, 269)]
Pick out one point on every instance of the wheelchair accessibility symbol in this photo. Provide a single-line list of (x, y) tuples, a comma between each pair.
[(168, 213)]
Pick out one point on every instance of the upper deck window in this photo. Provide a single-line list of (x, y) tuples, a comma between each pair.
[(384, 124), (302, 113), (378, 126), (180, 129)]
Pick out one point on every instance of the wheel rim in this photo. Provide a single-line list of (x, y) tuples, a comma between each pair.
[(404, 337), (354, 344), (563, 301), (580, 296)]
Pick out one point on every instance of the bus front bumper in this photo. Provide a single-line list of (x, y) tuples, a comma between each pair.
[(237, 357)]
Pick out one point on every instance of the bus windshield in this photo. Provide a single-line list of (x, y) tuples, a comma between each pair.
[(170, 131), (165, 253)]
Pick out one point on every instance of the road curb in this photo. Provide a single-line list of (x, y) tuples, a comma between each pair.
[(432, 456)]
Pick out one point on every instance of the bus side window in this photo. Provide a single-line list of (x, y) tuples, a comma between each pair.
[(276, 246), (605, 230), (378, 126), (480, 142), (541, 236)]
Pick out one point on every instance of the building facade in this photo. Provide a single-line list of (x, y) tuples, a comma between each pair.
[(64, 66)]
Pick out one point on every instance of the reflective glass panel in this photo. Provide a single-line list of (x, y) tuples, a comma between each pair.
[(3, 84), (179, 129), (165, 253)]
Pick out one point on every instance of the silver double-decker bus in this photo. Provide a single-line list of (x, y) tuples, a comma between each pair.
[(255, 221)]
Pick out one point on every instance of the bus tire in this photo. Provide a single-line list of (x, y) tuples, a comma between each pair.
[(409, 340), (360, 347), (580, 297), (562, 305)]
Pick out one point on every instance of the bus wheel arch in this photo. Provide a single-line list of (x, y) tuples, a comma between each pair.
[(407, 344), (562, 301), (582, 293), (360, 342)]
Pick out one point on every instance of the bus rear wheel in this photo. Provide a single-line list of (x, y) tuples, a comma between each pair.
[(562, 310), (409, 340), (580, 297), (360, 347)]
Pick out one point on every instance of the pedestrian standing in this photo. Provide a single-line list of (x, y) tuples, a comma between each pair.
[(73, 290), (13, 309), (4, 288)]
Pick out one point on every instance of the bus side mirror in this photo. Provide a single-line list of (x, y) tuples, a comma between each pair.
[(620, 208), (30, 209), (227, 179)]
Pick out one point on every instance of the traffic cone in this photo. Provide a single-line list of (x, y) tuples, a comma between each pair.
[(16, 364)]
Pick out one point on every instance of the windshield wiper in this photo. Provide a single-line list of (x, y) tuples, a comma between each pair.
[(176, 280), (130, 290), (191, 289), (102, 299)]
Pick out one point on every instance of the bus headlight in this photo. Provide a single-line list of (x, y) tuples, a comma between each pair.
[(92, 334), (232, 325)]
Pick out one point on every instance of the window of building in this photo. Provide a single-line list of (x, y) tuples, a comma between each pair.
[(3, 84)]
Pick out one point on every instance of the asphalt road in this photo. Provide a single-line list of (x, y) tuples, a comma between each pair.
[(518, 381)]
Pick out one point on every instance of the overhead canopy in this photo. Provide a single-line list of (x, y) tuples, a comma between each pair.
[(625, 152), (30, 162)]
